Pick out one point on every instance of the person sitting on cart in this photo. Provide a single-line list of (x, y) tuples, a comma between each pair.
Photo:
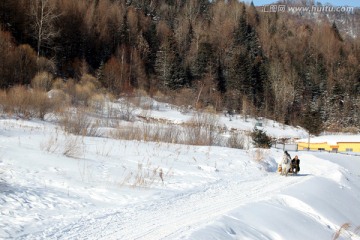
[(295, 163)]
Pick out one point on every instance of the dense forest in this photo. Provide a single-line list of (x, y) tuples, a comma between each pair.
[(222, 54)]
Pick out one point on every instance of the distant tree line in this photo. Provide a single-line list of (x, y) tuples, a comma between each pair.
[(220, 53)]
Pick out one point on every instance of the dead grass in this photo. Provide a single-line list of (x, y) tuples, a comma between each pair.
[(73, 147), (202, 130), (70, 145), (51, 145), (259, 154), (144, 176), (155, 132)]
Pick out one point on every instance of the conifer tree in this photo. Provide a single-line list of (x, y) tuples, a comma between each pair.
[(260, 138), (205, 60), (220, 78)]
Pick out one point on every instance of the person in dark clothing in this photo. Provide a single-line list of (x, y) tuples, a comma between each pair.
[(295, 163)]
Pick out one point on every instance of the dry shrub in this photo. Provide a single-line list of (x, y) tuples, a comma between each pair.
[(130, 132), (40, 103), (161, 133), (79, 123), (50, 145), (69, 89), (73, 147), (59, 98), (83, 93), (97, 102), (126, 110), (45, 65), (17, 102), (210, 109), (58, 84), (147, 132), (144, 176), (42, 81), (3, 100), (171, 134), (259, 154), (144, 101), (70, 146), (236, 140), (88, 79), (27, 103), (158, 95), (202, 129), (80, 93)]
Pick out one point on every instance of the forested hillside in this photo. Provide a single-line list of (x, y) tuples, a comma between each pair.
[(224, 54)]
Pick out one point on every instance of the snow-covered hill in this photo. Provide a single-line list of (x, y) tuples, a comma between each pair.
[(59, 186)]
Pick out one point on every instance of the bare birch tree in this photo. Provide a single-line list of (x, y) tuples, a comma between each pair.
[(43, 16)]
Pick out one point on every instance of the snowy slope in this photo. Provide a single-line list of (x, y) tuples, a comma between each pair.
[(112, 189), (239, 122)]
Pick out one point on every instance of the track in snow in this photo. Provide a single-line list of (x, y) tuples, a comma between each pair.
[(172, 217)]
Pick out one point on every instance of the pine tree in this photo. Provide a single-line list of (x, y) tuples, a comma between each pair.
[(205, 60), (153, 41), (169, 66), (312, 121), (241, 31), (177, 73), (220, 78), (163, 63), (260, 138)]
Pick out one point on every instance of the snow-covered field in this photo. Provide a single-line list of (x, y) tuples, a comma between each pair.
[(59, 186)]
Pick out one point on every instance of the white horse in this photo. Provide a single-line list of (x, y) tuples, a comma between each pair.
[(285, 164)]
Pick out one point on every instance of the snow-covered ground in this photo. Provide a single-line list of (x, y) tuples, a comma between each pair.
[(59, 186)]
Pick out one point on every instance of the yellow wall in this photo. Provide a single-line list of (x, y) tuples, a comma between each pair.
[(342, 146), (314, 146)]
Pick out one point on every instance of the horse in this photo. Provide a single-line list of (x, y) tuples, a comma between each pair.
[(285, 165)]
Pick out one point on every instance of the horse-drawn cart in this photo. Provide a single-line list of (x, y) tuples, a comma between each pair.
[(287, 165), (292, 169)]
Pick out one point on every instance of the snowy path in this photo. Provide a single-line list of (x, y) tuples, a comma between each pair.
[(173, 217)]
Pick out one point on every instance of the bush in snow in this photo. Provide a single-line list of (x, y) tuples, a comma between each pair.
[(260, 138), (236, 140), (202, 129), (26, 103), (42, 81), (77, 122)]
